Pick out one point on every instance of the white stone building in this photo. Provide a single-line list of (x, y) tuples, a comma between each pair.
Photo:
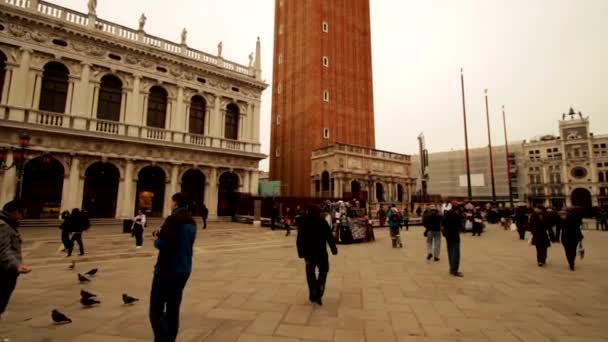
[(348, 171), (570, 169), (119, 119)]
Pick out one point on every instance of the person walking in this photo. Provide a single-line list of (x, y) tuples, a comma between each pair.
[(569, 229), (65, 231), (274, 214), (204, 215), (406, 219), (521, 221), (431, 220), (452, 225), (139, 223), (477, 222), (394, 224), (78, 224), (542, 235), (287, 221), (11, 261), (314, 234), (174, 241)]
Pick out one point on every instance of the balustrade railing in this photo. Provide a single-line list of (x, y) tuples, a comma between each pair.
[(119, 129), (82, 19)]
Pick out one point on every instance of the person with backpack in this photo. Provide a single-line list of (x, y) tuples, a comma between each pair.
[(431, 220), (394, 224)]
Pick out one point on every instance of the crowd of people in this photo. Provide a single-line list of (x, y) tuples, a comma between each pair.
[(175, 239)]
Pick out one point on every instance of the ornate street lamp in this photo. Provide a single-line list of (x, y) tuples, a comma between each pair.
[(19, 160)]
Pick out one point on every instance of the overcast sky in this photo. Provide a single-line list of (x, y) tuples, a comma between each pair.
[(537, 57)]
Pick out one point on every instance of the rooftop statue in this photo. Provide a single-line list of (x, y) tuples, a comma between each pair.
[(92, 7), (142, 21)]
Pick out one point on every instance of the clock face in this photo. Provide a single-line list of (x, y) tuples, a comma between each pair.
[(578, 172)]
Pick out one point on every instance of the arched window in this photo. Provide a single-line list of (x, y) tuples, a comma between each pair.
[(157, 107), (231, 128), (197, 115), (54, 91), (110, 98), (2, 72)]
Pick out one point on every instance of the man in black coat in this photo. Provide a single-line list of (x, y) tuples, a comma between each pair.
[(314, 234), (569, 229), (452, 224)]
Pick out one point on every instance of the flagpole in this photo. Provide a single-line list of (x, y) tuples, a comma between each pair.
[(504, 123), (466, 138), (490, 149)]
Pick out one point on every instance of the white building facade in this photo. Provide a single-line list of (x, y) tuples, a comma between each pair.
[(119, 120), (570, 169)]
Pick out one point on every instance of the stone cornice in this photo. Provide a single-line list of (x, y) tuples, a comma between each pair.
[(29, 19)]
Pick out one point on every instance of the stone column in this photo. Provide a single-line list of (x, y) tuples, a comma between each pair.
[(180, 111), (126, 190), (170, 111), (245, 184), (256, 123), (82, 105), (170, 189), (133, 110), (70, 96), (7, 85), (254, 180), (70, 199), (22, 93), (9, 181), (250, 123), (211, 193)]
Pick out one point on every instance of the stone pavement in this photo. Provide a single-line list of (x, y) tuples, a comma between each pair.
[(249, 286)]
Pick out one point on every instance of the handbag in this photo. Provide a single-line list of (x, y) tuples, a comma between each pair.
[(581, 250), (513, 227)]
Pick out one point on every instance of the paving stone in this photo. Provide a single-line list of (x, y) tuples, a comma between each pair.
[(373, 293), (305, 332), (266, 323)]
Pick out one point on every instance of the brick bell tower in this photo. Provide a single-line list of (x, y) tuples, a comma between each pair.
[(322, 85)]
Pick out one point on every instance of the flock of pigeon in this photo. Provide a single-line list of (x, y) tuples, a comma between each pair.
[(87, 299)]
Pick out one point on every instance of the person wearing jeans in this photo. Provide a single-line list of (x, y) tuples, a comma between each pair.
[(431, 220), (174, 242), (452, 224)]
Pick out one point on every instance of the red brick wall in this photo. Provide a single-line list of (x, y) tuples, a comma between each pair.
[(303, 78)]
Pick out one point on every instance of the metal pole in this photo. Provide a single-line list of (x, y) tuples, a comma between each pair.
[(490, 149), (466, 138), (504, 123)]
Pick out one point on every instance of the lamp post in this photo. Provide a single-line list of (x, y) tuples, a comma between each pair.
[(19, 160)]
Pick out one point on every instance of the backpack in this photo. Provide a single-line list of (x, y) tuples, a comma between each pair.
[(395, 215)]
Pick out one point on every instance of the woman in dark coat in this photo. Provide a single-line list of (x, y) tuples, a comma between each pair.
[(542, 235), (569, 225)]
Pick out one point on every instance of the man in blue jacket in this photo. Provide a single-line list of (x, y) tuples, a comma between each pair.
[(174, 242)]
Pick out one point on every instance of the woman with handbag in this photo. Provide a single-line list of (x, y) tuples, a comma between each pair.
[(569, 225)]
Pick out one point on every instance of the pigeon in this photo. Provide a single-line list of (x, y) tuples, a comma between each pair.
[(91, 272), (82, 278), (59, 318), (72, 265), (128, 299), (86, 294), (89, 301)]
